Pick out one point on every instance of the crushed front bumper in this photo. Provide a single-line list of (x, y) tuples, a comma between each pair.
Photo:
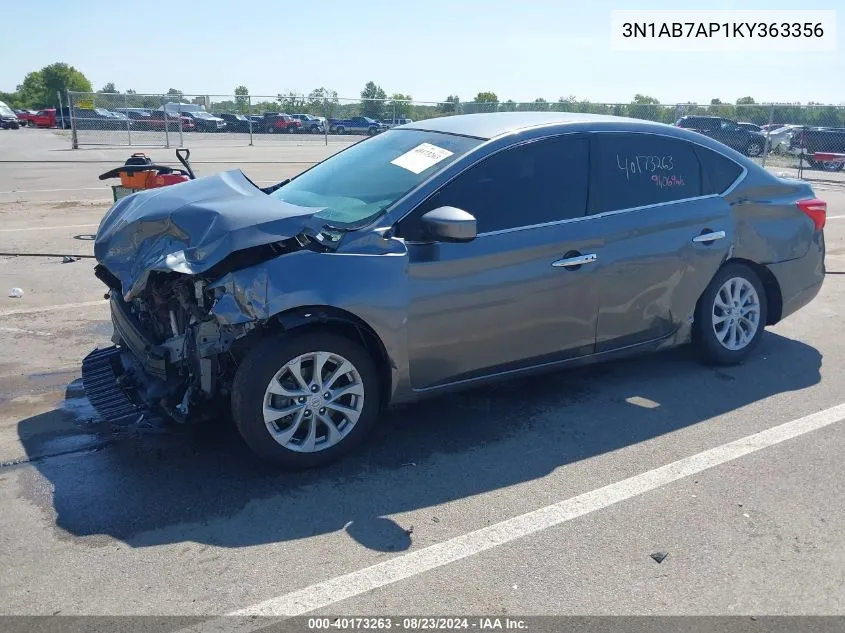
[(102, 379)]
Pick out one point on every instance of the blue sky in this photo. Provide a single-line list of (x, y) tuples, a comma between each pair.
[(426, 48)]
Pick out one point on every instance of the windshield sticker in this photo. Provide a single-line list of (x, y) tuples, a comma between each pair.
[(421, 157)]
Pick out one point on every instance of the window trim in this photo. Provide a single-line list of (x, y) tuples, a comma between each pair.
[(587, 216)]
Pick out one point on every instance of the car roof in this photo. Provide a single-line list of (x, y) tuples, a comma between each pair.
[(493, 124)]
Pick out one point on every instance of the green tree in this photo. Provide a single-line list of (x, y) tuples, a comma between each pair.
[(323, 102), (108, 88), (451, 105), (645, 107), (485, 102), (292, 103), (242, 98), (372, 101), (399, 106), (39, 87), (12, 99), (175, 95)]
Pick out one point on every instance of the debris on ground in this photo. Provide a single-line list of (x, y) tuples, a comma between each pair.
[(435, 520), (409, 530), (16, 293), (659, 556), (67, 259)]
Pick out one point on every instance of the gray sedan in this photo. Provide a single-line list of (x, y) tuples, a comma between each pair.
[(437, 256)]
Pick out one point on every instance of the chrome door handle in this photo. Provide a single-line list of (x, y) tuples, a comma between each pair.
[(570, 262), (709, 237)]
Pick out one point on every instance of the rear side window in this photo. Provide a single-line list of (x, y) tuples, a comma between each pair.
[(717, 172), (633, 170)]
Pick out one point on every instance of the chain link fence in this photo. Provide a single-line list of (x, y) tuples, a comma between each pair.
[(803, 141)]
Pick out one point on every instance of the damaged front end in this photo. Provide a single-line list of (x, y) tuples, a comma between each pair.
[(172, 358), (159, 254)]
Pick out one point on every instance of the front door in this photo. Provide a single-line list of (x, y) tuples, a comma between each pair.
[(505, 300)]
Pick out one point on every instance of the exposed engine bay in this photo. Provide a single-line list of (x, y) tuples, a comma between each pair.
[(175, 354)]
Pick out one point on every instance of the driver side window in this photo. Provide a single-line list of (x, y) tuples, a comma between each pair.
[(534, 183)]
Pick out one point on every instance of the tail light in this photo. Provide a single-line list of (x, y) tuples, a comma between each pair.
[(816, 210)]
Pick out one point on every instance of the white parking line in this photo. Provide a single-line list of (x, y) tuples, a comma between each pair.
[(836, 217), (18, 330), (405, 566), (48, 228), (64, 306), (52, 190)]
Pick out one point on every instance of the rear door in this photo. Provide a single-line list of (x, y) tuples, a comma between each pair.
[(664, 235)]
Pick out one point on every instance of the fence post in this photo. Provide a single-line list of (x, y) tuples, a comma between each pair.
[(326, 116), (74, 139), (181, 138), (61, 113), (166, 123), (768, 131), (249, 116), (128, 119)]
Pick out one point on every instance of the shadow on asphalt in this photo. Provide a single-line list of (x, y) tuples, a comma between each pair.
[(205, 485)]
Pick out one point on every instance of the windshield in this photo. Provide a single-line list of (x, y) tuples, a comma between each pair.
[(5, 110), (362, 181), (202, 115)]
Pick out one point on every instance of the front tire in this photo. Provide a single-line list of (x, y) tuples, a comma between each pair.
[(730, 316), (305, 400)]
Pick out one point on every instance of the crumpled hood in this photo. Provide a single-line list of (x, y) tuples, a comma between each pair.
[(190, 227)]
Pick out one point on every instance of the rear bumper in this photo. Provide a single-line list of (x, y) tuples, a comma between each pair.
[(800, 280)]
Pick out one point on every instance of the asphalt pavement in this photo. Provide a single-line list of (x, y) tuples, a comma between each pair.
[(549, 495)]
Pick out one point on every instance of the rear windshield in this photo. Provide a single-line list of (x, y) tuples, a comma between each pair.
[(356, 185)]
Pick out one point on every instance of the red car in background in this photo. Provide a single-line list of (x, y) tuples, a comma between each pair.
[(157, 118), (26, 117), (279, 122), (45, 118)]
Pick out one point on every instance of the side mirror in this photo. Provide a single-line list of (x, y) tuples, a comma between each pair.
[(449, 224)]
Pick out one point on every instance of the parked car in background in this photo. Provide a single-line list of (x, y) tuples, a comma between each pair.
[(779, 137), (808, 141), (8, 119), (158, 120), (205, 121), (395, 122), (235, 122), (140, 117), (259, 125), (356, 125), (48, 117), (27, 117), (749, 142), (433, 258), (99, 119), (310, 123), (753, 127), (279, 122)]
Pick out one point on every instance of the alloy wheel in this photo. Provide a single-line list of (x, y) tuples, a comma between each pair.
[(313, 402), (736, 313)]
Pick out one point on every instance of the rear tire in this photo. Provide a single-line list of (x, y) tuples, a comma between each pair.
[(315, 430), (730, 316)]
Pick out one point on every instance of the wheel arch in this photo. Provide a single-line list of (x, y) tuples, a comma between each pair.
[(337, 321), (774, 297)]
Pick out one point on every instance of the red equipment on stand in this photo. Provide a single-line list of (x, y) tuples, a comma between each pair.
[(139, 173)]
